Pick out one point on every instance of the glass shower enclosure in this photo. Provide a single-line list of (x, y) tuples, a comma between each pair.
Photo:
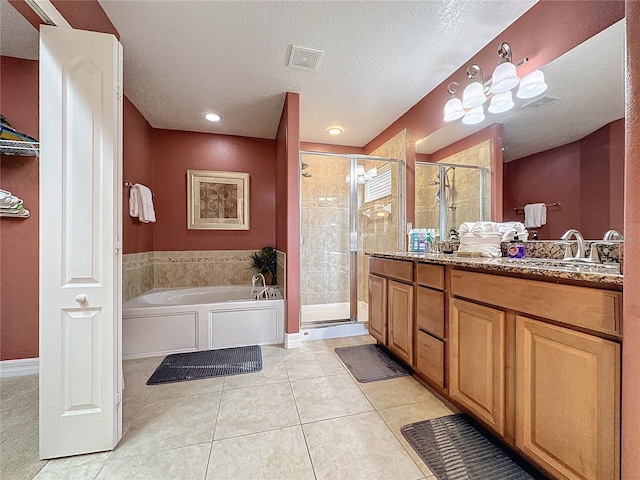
[(449, 194), (349, 204)]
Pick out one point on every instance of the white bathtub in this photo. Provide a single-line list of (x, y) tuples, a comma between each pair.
[(165, 321)]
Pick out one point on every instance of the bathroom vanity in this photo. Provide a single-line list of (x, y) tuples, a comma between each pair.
[(533, 352)]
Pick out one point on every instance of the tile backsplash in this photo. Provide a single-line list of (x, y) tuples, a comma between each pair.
[(145, 271)]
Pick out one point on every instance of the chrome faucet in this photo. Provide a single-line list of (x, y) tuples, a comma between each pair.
[(567, 249), (612, 235)]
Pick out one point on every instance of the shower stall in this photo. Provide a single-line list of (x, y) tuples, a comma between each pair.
[(449, 194), (349, 204)]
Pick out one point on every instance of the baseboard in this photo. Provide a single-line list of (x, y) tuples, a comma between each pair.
[(291, 340), (17, 368), (350, 329)]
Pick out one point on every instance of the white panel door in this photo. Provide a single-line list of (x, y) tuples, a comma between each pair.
[(80, 231)]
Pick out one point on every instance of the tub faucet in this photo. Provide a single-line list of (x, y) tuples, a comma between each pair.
[(262, 292), (567, 249), (612, 235)]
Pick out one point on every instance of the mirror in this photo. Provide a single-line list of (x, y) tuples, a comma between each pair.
[(564, 146)]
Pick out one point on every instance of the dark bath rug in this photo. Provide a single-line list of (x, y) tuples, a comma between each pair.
[(370, 363), (181, 367)]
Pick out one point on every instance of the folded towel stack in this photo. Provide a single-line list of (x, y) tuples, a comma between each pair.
[(141, 203), (482, 237), (11, 206)]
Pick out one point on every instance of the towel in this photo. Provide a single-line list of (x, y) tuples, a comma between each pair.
[(535, 215), (488, 243), (147, 213), (134, 202)]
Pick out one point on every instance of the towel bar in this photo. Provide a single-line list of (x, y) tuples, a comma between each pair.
[(554, 204)]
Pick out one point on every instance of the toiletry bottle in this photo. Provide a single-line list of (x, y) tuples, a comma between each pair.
[(516, 248), (429, 242), (535, 235)]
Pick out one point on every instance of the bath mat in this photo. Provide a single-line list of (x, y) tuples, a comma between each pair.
[(454, 449), (370, 363), (181, 367)]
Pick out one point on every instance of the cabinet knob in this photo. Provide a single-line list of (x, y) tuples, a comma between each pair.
[(80, 298)]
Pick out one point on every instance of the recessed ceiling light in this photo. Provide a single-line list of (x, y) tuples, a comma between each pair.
[(212, 117), (335, 130)]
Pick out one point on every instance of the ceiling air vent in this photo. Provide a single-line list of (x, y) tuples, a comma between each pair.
[(540, 103), (304, 57)]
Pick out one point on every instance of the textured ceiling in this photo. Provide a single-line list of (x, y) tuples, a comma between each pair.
[(183, 58), (589, 83), (18, 38)]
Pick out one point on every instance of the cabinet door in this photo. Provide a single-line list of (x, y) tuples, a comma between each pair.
[(568, 400), (477, 361), (378, 308), (400, 316)]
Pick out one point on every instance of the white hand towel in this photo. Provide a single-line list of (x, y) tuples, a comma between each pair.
[(147, 212), (535, 215), (134, 202)]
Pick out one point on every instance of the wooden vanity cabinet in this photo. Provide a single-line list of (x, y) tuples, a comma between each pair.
[(430, 335), (378, 308), (391, 300), (477, 361), (567, 398)]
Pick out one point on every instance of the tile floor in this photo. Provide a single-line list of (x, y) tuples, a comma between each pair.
[(302, 417)]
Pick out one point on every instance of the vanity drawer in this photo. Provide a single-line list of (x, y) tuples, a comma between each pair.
[(591, 308), (430, 275), (396, 269), (430, 358), (430, 311)]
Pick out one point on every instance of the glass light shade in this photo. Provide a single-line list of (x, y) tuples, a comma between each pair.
[(473, 116), (532, 85), (360, 169), (473, 95), (453, 109), (501, 102), (373, 172), (361, 180), (504, 78), (367, 177)]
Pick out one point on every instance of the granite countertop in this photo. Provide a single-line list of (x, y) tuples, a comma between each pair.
[(598, 274)]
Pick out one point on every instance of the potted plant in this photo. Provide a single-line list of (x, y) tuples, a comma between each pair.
[(265, 261)]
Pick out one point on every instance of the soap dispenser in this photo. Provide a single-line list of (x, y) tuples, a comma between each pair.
[(516, 249)]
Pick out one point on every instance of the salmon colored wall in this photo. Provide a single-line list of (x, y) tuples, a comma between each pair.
[(631, 314), (86, 15), (288, 203), (580, 176), (137, 167), (19, 237), (550, 176), (175, 152)]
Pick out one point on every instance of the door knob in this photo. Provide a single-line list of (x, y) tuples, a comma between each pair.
[(80, 298)]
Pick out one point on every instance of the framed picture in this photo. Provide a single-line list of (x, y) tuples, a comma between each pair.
[(217, 200)]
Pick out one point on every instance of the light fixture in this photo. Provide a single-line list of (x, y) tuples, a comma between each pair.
[(474, 94), (335, 130), (504, 77), (212, 117), (473, 116), (360, 170), (362, 175), (453, 108), (501, 102), (532, 85)]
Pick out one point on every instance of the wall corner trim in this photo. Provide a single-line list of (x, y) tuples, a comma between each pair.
[(291, 340), (21, 367)]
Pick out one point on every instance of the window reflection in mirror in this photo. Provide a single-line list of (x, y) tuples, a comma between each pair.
[(565, 146)]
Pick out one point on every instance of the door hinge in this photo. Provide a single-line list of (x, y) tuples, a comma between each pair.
[(118, 399), (119, 92)]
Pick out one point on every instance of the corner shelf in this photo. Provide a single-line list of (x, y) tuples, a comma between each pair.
[(25, 149)]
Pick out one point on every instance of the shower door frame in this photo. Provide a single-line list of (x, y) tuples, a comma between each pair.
[(443, 214), (353, 218)]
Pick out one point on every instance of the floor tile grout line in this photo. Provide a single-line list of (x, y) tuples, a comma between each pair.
[(215, 427)]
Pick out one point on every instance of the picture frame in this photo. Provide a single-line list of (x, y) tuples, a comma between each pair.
[(217, 200)]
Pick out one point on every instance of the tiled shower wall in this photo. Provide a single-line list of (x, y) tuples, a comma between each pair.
[(144, 271), (324, 255), (380, 234)]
